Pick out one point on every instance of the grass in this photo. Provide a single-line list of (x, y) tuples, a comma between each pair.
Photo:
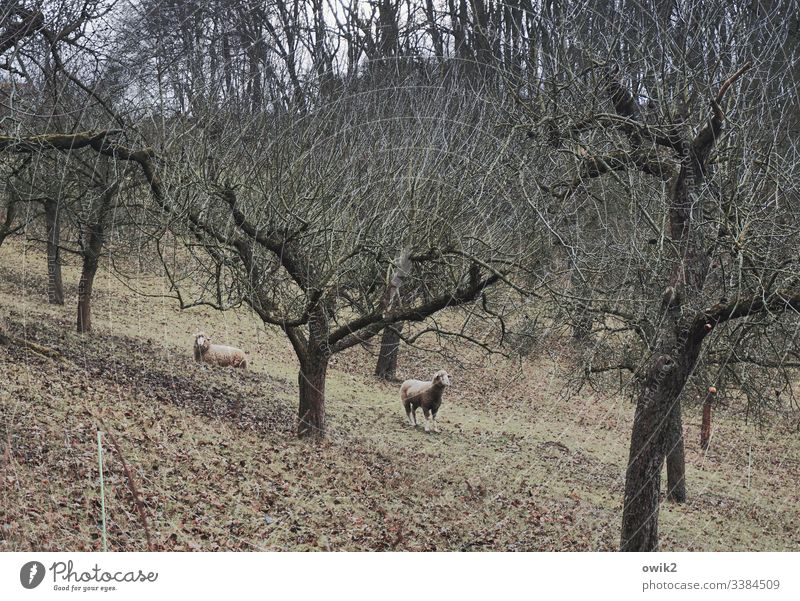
[(518, 466)]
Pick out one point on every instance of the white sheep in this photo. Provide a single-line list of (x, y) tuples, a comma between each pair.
[(217, 354), (425, 394)]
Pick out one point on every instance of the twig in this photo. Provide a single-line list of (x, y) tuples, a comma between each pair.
[(44, 351), (137, 500), (731, 80), (102, 488), (558, 445)]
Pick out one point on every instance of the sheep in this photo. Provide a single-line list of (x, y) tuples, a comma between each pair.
[(217, 354), (425, 394)]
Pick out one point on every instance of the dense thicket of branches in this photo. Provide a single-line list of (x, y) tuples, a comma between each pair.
[(343, 167), (301, 217), (672, 188)]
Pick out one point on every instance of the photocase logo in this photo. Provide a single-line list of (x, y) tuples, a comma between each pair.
[(31, 574)]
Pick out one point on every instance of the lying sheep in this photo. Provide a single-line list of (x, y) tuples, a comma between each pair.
[(428, 395), (217, 354)]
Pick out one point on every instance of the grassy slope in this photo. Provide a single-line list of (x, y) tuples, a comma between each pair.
[(516, 467)]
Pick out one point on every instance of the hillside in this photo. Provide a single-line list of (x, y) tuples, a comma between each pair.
[(518, 465)]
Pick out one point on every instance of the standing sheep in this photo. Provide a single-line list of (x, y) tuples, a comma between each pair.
[(217, 354), (425, 394)]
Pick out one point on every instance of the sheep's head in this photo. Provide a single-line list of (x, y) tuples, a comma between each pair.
[(441, 378), (202, 342)]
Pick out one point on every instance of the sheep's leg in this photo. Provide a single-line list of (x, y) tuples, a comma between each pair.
[(434, 422), (427, 419), (408, 415), (414, 416)]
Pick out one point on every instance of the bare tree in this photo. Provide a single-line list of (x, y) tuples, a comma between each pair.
[(8, 227), (55, 284), (304, 239), (296, 152), (689, 241), (93, 227), (386, 366)]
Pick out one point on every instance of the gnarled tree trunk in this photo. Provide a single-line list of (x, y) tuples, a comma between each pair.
[(676, 460), (705, 428), (92, 241), (582, 328), (657, 428), (653, 420), (88, 271), (583, 320), (311, 416), (55, 285), (390, 340), (386, 367), (7, 224), (92, 245)]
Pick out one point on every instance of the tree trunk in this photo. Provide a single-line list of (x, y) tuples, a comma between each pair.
[(7, 225), (643, 477), (705, 429), (582, 318), (390, 349), (88, 272), (55, 285), (676, 459), (657, 426), (654, 426), (92, 246), (582, 328), (311, 417)]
